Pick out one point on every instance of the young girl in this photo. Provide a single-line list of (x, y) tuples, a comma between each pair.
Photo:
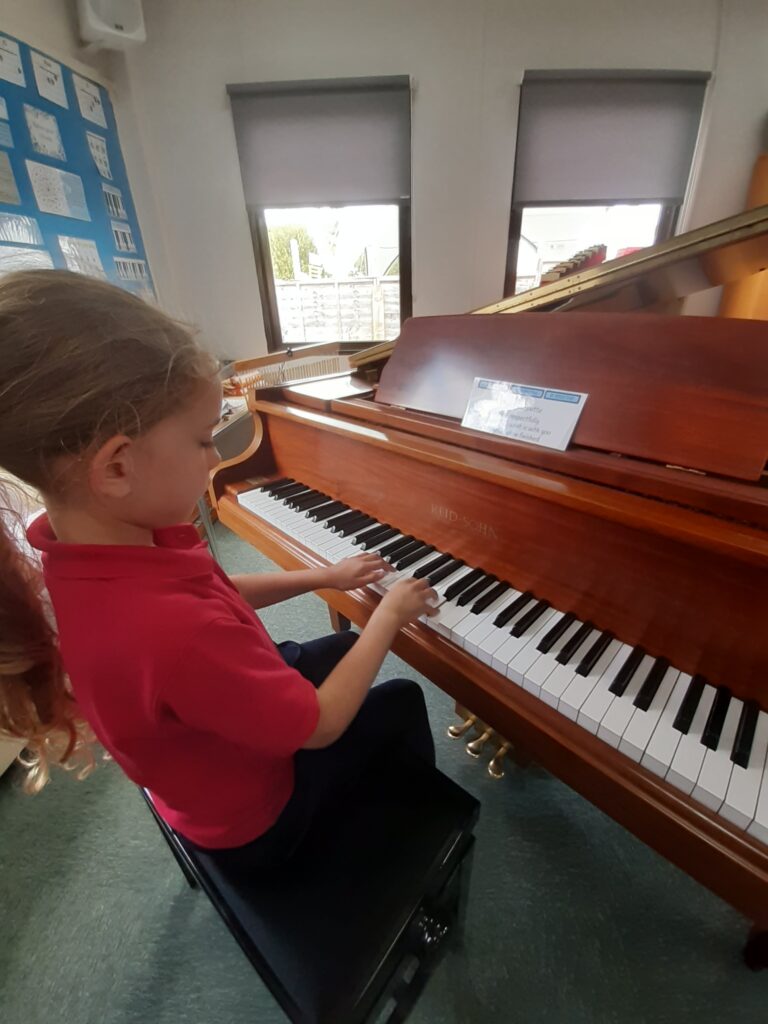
[(107, 407)]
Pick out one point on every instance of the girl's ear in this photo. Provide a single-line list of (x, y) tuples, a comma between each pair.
[(109, 473)]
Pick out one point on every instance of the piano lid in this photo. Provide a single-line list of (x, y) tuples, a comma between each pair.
[(653, 278), (683, 391)]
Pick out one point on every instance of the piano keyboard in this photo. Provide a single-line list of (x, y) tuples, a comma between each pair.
[(699, 738)]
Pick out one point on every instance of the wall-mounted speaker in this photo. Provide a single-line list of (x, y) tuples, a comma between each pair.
[(111, 24)]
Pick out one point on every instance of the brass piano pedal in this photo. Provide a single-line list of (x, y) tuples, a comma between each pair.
[(457, 731), (475, 747), (496, 764)]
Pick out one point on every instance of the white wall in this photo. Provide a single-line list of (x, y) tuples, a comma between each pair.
[(466, 58)]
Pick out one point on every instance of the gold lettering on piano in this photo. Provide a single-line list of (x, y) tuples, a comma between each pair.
[(448, 515)]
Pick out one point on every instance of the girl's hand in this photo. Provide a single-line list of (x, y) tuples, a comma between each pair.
[(409, 599), (357, 571)]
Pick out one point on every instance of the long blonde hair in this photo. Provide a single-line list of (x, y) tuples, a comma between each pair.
[(80, 361)]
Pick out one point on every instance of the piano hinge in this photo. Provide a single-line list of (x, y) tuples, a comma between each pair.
[(686, 469)]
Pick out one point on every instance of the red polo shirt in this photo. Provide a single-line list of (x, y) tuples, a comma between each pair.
[(179, 680)]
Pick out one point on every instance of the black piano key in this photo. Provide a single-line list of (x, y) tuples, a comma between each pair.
[(353, 516), (552, 635), (571, 648), (627, 670), (415, 556), (489, 597), (687, 709), (446, 571), (301, 502), (324, 513), (527, 620), (280, 485), (711, 735), (745, 733), (512, 609), (355, 525), (381, 539), (338, 518), (650, 687), (413, 545), (469, 595), (319, 505), (291, 492), (395, 546), (372, 533), (282, 482), (432, 566), (463, 582), (594, 653)]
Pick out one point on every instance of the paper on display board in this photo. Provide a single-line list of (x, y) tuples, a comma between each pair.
[(9, 193), (10, 62), (89, 100), (98, 148), (16, 227), (81, 256), (14, 257), (58, 191), (44, 133), (49, 79)]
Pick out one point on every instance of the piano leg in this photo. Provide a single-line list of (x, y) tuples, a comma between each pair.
[(756, 950), (339, 622)]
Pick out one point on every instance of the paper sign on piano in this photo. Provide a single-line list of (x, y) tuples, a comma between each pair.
[(524, 412)]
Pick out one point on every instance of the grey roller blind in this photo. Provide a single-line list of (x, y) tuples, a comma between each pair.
[(591, 138), (306, 143)]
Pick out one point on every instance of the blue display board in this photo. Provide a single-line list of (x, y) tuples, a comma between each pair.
[(64, 194)]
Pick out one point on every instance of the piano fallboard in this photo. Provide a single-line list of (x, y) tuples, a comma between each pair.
[(725, 859)]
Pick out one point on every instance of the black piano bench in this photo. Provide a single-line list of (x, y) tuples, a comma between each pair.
[(349, 930)]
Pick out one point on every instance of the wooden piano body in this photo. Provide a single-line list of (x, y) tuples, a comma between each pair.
[(653, 525)]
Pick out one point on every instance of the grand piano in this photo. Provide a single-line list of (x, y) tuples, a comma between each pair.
[(601, 610)]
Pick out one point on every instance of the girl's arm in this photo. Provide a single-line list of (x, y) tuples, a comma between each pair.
[(344, 690), (262, 589)]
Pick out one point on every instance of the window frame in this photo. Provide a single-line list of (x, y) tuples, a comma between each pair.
[(668, 217), (266, 277)]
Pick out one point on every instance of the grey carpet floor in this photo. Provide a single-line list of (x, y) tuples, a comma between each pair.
[(571, 919)]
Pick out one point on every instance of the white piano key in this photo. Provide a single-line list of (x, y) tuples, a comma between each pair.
[(663, 743), (740, 801), (617, 717), (403, 574), (500, 646), (580, 687), (641, 727), (686, 764), (759, 825), (712, 783), (503, 656), (538, 671), (600, 699), (440, 590), (563, 675), (519, 653), (485, 626), (469, 623), (450, 616)]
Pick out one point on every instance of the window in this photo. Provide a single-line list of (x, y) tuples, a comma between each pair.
[(335, 272), (601, 167), (326, 177)]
